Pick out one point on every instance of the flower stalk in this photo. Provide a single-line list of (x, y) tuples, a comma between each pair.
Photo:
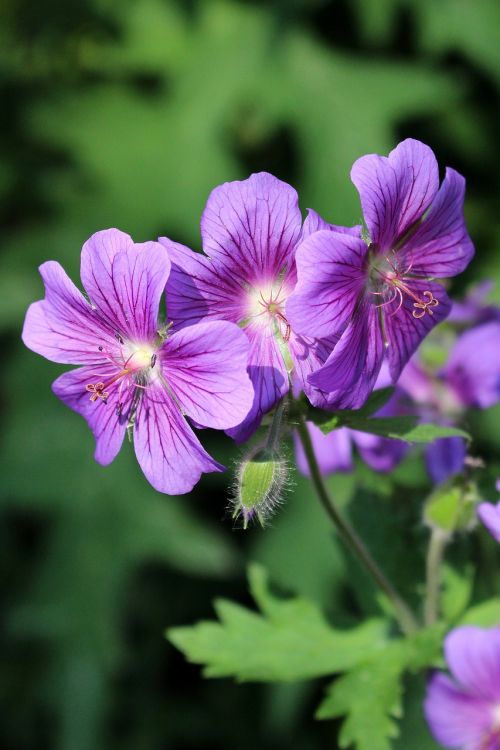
[(405, 617)]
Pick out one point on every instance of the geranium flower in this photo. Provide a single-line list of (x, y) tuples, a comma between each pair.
[(133, 374), (463, 711), (250, 230), (379, 295)]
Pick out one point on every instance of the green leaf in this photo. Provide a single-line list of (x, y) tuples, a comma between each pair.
[(457, 590), (289, 640), (399, 428), (370, 695), (486, 614)]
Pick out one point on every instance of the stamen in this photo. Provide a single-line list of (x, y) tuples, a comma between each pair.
[(153, 361), (424, 306)]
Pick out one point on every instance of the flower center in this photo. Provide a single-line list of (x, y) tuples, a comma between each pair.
[(266, 305), (392, 283), (133, 366)]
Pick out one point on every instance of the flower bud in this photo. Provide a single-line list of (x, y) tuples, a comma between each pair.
[(451, 507), (261, 480)]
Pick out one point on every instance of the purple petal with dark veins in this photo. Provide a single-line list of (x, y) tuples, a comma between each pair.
[(269, 377), (168, 451), (205, 367), (403, 331), (395, 191), (107, 420), (125, 281), (63, 327), (251, 228), (199, 289), (315, 223), (440, 246), (331, 271), (351, 370)]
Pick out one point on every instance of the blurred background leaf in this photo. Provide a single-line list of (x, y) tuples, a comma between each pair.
[(128, 114)]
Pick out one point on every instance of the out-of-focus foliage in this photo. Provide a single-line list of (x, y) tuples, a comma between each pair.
[(127, 114)]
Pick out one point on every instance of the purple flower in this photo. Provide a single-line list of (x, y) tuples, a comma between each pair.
[(463, 711), (489, 515), (133, 374), (473, 368), (334, 451), (474, 308), (379, 295), (250, 231)]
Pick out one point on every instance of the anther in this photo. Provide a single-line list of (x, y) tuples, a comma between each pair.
[(153, 360), (97, 391), (101, 348), (423, 307)]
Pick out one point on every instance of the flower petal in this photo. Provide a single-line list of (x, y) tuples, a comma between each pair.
[(315, 223), (404, 332), (489, 515), (445, 457), (107, 420), (269, 377), (331, 275), (308, 356), (440, 245), (252, 227), (125, 281), (168, 451), (456, 720), (473, 656), (198, 288), (333, 451), (473, 367), (63, 327), (381, 454), (395, 191), (350, 372), (205, 366)]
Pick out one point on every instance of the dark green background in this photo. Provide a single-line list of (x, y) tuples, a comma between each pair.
[(127, 114)]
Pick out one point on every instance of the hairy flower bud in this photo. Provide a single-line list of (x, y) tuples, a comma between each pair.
[(261, 479)]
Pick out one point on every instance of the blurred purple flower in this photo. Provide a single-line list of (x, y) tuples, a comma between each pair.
[(473, 367), (369, 295), (132, 375), (334, 451), (463, 711), (489, 515), (474, 308), (250, 231)]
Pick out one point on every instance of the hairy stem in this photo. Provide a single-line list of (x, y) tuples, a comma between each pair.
[(435, 554), (352, 540)]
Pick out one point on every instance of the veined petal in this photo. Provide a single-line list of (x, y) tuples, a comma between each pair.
[(395, 191), (107, 419), (331, 271), (251, 227), (63, 327), (404, 332), (456, 719), (168, 451), (198, 288), (315, 223), (125, 281), (333, 451), (269, 377), (205, 366), (473, 656), (350, 372), (440, 246), (308, 356)]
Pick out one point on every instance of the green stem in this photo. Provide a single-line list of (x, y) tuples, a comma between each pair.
[(435, 555), (404, 615)]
